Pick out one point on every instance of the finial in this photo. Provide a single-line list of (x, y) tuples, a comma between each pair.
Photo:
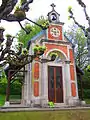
[(53, 5)]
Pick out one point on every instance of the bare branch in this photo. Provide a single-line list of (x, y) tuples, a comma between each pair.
[(35, 23), (81, 3), (7, 7), (25, 5), (27, 32), (82, 27), (71, 16), (11, 18), (85, 12)]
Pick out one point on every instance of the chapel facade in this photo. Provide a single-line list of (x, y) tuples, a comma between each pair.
[(56, 80)]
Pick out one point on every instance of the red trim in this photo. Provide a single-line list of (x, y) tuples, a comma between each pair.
[(52, 37)]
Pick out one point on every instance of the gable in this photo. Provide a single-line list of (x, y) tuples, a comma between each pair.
[(44, 36), (39, 36)]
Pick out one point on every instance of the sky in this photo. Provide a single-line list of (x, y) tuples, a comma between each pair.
[(42, 7)]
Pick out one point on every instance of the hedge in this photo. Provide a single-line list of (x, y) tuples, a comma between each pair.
[(85, 84), (15, 89), (86, 93)]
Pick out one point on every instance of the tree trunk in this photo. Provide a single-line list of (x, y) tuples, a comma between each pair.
[(81, 87), (8, 88)]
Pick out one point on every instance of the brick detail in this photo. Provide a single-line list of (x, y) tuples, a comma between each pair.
[(36, 71), (73, 89), (52, 46), (72, 72), (36, 89)]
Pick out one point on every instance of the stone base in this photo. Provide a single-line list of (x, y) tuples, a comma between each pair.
[(7, 104), (26, 102), (33, 102), (73, 101), (44, 102)]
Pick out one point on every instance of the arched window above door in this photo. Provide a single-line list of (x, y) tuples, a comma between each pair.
[(59, 58)]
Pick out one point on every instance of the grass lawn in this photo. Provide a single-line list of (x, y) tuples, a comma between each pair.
[(47, 115)]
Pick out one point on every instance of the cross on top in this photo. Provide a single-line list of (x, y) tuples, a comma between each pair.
[(53, 5)]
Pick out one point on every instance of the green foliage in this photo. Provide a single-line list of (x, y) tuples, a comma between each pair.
[(20, 14), (17, 8), (15, 88), (14, 97), (3, 88), (85, 83), (88, 68), (2, 100), (24, 51), (86, 75), (28, 27), (71, 13), (86, 93), (51, 104), (34, 30), (39, 50), (35, 48), (68, 17), (3, 79), (78, 38), (22, 1), (2, 28), (53, 54), (87, 101), (69, 8), (45, 24), (8, 35), (20, 44)]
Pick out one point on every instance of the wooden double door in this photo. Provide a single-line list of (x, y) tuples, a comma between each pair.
[(55, 85)]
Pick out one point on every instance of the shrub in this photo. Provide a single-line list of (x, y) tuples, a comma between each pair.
[(3, 88), (14, 90), (86, 93)]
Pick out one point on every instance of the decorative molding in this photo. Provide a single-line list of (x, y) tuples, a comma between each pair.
[(54, 41)]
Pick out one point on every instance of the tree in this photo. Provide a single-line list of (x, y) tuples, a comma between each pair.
[(86, 31), (76, 36), (34, 29), (15, 60), (19, 14)]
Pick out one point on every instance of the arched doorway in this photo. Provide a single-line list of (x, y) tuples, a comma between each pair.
[(55, 78)]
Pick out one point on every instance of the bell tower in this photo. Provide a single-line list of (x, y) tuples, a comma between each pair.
[(55, 28), (53, 16)]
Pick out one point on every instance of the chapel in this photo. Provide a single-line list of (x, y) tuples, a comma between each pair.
[(54, 81)]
